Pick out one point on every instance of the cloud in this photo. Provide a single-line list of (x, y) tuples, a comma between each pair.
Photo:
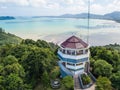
[(65, 6), (15, 2), (53, 5), (69, 1), (2, 1), (97, 8), (3, 7), (37, 3)]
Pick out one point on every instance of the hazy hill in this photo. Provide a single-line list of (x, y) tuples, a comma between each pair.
[(7, 38), (109, 16), (114, 16)]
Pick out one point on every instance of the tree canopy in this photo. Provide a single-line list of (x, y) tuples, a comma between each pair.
[(103, 83)]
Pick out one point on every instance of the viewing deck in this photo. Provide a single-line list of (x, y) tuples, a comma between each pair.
[(73, 59), (73, 56)]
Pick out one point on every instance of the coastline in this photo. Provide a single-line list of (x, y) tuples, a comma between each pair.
[(96, 38)]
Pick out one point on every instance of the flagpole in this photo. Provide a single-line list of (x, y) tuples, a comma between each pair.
[(88, 22)]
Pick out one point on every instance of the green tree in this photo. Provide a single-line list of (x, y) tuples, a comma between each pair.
[(115, 79), (103, 83), (55, 72), (14, 68), (102, 68), (28, 42), (86, 79), (68, 82), (9, 60), (2, 83), (45, 79), (11, 65), (14, 82)]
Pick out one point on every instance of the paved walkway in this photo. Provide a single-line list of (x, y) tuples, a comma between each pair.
[(90, 88), (76, 82)]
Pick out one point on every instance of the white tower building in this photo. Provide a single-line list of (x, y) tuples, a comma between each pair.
[(74, 56)]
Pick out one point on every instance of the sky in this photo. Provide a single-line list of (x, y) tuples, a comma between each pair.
[(56, 7)]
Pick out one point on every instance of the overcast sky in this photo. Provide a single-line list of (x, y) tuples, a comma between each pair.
[(55, 7)]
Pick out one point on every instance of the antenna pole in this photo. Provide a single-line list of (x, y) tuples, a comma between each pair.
[(88, 21)]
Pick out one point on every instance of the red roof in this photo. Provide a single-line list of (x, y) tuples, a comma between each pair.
[(74, 43)]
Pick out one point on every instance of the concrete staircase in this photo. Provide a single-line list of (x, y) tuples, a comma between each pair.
[(76, 83)]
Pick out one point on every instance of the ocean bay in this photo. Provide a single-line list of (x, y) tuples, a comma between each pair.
[(56, 29)]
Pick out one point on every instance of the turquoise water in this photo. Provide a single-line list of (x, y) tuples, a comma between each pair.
[(51, 25), (36, 27), (41, 25)]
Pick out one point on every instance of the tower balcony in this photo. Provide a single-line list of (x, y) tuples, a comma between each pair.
[(64, 70), (73, 58)]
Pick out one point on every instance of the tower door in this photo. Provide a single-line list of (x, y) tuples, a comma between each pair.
[(86, 67)]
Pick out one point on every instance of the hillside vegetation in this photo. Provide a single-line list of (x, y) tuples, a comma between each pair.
[(30, 64), (105, 65), (25, 65), (7, 38)]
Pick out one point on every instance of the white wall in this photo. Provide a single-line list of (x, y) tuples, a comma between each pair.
[(78, 72), (76, 67)]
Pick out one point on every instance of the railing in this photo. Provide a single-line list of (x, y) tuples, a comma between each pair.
[(73, 60), (65, 69), (74, 52), (92, 77), (81, 84), (73, 56)]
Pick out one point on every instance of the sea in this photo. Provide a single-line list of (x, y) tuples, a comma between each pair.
[(56, 30)]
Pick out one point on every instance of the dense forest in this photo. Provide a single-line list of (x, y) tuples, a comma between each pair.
[(25, 65), (105, 65), (31, 65)]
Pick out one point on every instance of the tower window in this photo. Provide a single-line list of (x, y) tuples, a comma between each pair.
[(79, 52), (79, 64), (68, 52), (64, 51), (73, 52), (71, 64), (86, 51)]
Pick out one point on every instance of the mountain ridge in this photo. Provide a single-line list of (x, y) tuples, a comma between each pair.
[(109, 16), (115, 16)]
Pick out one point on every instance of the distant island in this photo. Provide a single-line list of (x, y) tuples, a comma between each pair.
[(7, 17), (109, 16), (115, 16)]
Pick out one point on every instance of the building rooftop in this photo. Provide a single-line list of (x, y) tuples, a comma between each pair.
[(74, 43)]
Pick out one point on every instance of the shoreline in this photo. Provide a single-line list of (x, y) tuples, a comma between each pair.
[(96, 38)]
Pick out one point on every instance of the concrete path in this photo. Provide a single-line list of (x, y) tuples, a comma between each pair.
[(76, 82), (90, 88)]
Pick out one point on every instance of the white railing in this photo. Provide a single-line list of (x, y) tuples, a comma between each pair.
[(64, 68), (74, 67), (73, 56)]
